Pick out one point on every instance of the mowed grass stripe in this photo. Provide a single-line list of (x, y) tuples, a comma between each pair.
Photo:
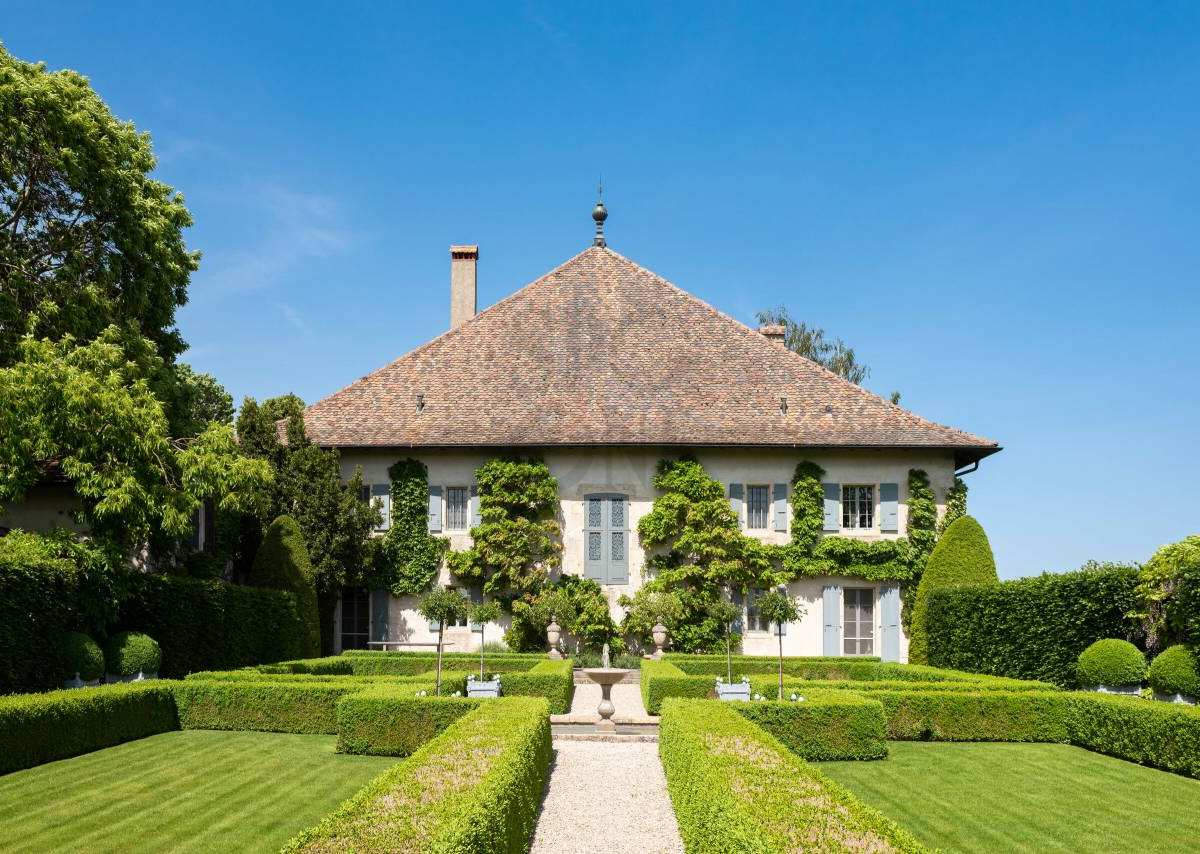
[(182, 791), (1026, 797)]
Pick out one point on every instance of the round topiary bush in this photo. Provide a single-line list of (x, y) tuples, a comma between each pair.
[(1111, 662), (962, 555), (282, 563), (131, 653), (78, 653), (1174, 671)]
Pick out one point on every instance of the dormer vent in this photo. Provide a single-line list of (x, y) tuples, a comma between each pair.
[(783, 406), (420, 403)]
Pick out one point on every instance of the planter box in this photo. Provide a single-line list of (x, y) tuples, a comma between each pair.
[(735, 691), (1175, 698), (1127, 690), (483, 687), (79, 683), (111, 678)]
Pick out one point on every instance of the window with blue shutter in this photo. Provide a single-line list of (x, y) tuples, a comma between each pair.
[(381, 496), (606, 538), (833, 495), (889, 508), (735, 501), (889, 619), (435, 508), (781, 506), (831, 616), (476, 516)]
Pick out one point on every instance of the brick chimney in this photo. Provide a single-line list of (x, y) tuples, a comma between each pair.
[(773, 333), (463, 260)]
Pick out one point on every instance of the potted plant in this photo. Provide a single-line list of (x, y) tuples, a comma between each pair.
[(483, 613), (131, 656), (442, 606), (779, 608), (81, 660), (1111, 666), (1174, 675)]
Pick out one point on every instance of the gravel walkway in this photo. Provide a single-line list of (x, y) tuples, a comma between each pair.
[(606, 798)]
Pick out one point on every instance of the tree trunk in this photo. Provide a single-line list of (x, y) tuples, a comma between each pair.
[(780, 627), (728, 657), (441, 624), (481, 652)]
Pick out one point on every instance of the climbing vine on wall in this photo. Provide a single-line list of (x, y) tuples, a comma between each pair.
[(956, 504), (518, 541), (409, 556), (810, 554)]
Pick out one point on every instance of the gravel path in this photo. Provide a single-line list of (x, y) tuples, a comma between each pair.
[(606, 798), (627, 699)]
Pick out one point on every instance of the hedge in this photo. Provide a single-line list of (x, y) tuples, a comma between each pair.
[(1175, 671), (822, 667), (767, 686), (978, 716), (962, 556), (385, 721), (735, 787), (376, 661), (263, 706), (1111, 662), (490, 767), (131, 653), (1031, 628), (825, 725), (554, 680), (37, 728), (662, 679), (80, 655), (282, 563), (1162, 735)]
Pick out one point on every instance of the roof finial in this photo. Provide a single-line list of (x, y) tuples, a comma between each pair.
[(600, 214)]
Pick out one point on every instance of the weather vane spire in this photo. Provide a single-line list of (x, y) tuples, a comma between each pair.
[(600, 214)]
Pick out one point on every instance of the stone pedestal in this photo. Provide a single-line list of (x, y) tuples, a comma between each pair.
[(605, 677)]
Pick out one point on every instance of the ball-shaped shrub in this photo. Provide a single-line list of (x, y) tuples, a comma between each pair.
[(78, 653), (1174, 671), (962, 555), (130, 653), (1111, 662)]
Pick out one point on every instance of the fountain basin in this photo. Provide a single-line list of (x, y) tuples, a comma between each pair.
[(605, 677)]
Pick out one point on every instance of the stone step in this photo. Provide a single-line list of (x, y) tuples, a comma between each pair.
[(617, 738), (592, 717)]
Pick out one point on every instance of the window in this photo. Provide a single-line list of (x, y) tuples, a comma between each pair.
[(201, 521), (381, 493), (754, 620), (457, 508), (758, 507), (462, 621), (858, 621), (606, 538), (858, 507), (356, 619)]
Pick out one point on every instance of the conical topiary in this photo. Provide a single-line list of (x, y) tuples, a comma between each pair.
[(282, 563), (962, 556)]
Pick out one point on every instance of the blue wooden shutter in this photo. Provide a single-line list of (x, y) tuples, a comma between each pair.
[(593, 537), (476, 516), (889, 619), (889, 508), (735, 501), (739, 623), (833, 507), (781, 628), (618, 540), (435, 508), (831, 615), (781, 506), (382, 492), (379, 614)]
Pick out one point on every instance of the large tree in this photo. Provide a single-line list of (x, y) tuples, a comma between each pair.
[(88, 239), (811, 343)]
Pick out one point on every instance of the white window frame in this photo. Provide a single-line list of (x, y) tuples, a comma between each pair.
[(767, 508), (368, 496), (857, 638), (448, 519), (851, 519)]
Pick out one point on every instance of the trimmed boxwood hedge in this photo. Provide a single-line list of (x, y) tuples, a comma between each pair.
[(1174, 671), (37, 728), (263, 706), (1163, 735), (801, 667), (1031, 628), (131, 653), (385, 721), (975, 716), (1111, 662), (825, 725), (735, 787), (490, 767), (554, 680), (79, 654)]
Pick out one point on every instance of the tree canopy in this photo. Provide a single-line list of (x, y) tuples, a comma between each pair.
[(811, 343)]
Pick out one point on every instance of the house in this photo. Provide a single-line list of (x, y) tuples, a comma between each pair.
[(602, 368)]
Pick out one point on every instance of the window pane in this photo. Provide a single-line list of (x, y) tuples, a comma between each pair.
[(756, 507), (456, 508), (594, 546), (618, 512), (849, 647), (618, 546), (593, 519)]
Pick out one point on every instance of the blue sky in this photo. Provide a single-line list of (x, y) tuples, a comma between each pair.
[(997, 209)]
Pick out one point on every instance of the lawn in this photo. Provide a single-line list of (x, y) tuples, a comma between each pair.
[(194, 790), (1026, 797)]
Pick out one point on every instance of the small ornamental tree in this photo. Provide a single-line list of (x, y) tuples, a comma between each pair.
[(442, 606), (483, 613), (645, 608), (962, 556), (726, 613), (779, 608), (282, 563)]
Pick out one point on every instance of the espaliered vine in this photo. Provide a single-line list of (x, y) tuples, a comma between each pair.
[(518, 541), (409, 556)]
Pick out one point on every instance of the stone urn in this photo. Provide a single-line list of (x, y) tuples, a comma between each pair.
[(659, 633), (553, 635)]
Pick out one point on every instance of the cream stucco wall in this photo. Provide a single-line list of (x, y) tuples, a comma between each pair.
[(44, 508), (630, 471)]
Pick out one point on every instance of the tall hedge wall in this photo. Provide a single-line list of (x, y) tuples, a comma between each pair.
[(1030, 628)]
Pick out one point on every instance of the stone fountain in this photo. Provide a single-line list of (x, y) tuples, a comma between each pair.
[(605, 676)]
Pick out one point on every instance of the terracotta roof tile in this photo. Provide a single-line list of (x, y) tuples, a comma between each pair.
[(601, 351)]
